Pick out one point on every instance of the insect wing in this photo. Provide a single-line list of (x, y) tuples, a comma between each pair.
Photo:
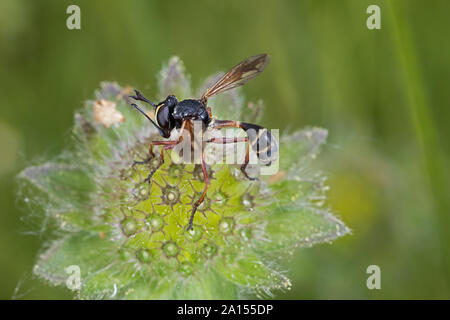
[(240, 74)]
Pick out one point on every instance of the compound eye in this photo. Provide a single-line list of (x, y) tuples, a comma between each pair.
[(162, 117)]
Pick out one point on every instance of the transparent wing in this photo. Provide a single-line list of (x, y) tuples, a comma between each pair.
[(240, 74)]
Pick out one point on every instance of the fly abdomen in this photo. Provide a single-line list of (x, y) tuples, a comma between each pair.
[(261, 141)]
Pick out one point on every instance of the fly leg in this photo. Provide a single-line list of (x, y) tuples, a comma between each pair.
[(202, 197), (151, 155), (167, 145), (244, 166)]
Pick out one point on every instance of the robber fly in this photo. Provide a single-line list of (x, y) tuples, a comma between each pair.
[(173, 114)]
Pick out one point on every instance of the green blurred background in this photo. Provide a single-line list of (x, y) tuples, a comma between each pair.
[(383, 95)]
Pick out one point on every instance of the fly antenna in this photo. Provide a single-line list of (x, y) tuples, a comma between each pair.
[(140, 97), (146, 115), (143, 112)]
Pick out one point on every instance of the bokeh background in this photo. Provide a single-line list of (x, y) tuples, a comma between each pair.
[(382, 94)]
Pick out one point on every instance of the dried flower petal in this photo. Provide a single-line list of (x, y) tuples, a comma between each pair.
[(105, 113)]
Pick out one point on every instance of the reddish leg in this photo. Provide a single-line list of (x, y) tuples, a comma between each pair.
[(228, 140), (244, 166), (150, 150), (167, 145), (200, 200), (150, 156)]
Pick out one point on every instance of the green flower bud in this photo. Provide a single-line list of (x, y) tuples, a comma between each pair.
[(144, 256), (129, 226)]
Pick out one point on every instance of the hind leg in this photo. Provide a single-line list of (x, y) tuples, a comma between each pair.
[(202, 197)]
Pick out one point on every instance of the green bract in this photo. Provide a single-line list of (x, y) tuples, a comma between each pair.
[(128, 236)]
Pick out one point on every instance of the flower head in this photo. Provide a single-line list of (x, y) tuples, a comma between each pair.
[(127, 235)]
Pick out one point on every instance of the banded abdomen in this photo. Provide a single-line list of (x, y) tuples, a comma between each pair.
[(261, 141)]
